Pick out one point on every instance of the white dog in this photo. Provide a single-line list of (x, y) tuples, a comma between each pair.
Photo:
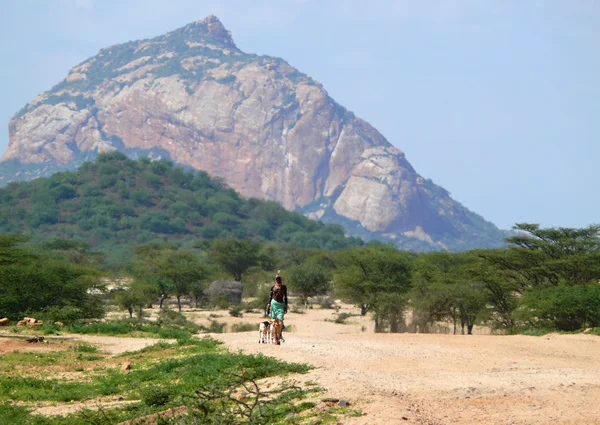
[(264, 332)]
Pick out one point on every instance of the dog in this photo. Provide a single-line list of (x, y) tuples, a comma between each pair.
[(264, 332), (276, 331)]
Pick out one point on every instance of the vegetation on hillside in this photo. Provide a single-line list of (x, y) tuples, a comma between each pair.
[(546, 279), (115, 203)]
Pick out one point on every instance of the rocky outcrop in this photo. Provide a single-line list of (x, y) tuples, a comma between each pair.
[(267, 129)]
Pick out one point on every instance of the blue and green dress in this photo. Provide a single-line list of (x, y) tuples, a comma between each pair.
[(278, 301)]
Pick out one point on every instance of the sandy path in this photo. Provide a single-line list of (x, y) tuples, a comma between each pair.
[(442, 379)]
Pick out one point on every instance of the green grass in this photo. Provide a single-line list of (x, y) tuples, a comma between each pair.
[(162, 376), (244, 327), (132, 328)]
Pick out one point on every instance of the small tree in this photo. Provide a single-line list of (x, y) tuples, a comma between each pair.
[(132, 299), (183, 269), (309, 280), (364, 273), (235, 256)]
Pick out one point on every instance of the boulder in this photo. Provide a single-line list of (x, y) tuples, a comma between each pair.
[(229, 288)]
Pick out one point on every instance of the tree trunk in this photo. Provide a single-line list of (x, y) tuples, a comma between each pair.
[(394, 324), (179, 302), (196, 299), (130, 312), (140, 312), (162, 298), (363, 309), (454, 319), (470, 329)]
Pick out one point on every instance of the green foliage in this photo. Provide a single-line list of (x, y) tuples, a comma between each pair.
[(131, 328), (236, 311), (164, 376), (309, 280), (243, 327), (449, 286), (548, 274), (115, 203), (235, 256), (157, 396), (43, 285), (564, 308), (365, 274)]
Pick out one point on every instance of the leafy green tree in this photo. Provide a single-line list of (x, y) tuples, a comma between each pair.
[(183, 269), (539, 258), (11, 251), (564, 308), (134, 298), (447, 286), (235, 256), (363, 274), (37, 284), (389, 312), (521, 277), (309, 280)]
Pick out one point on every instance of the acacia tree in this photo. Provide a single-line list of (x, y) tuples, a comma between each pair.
[(235, 256), (546, 267), (445, 286), (39, 283), (539, 258), (309, 280), (183, 269), (135, 298), (171, 271), (364, 274)]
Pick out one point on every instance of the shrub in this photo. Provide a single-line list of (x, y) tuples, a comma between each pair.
[(157, 396), (564, 308), (243, 327), (236, 311)]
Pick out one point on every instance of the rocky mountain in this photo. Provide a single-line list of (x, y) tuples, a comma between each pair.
[(267, 129)]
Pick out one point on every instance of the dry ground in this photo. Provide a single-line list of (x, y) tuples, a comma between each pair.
[(421, 378), (441, 379)]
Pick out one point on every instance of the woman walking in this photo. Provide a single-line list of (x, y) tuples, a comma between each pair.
[(278, 300)]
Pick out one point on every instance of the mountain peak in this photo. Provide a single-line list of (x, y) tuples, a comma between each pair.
[(212, 27)]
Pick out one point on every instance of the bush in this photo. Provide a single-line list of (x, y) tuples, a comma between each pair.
[(236, 311), (244, 327), (157, 396), (326, 303), (564, 308), (214, 327)]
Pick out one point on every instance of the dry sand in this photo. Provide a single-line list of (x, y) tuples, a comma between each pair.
[(441, 379), (420, 378)]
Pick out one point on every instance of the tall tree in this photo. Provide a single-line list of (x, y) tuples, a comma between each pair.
[(364, 274), (183, 269), (235, 256), (309, 280)]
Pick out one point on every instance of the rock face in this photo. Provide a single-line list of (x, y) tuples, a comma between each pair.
[(269, 130), (229, 289)]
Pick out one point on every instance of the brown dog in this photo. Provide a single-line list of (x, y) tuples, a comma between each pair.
[(276, 331)]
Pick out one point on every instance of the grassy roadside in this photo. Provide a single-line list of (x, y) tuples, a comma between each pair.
[(196, 373)]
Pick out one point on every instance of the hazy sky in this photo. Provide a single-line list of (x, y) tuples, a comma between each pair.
[(498, 101)]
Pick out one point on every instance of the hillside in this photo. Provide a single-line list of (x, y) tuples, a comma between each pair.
[(267, 129), (117, 202)]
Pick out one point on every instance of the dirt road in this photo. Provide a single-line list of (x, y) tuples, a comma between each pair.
[(441, 379)]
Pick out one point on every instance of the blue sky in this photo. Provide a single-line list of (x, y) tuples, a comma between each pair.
[(498, 101)]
